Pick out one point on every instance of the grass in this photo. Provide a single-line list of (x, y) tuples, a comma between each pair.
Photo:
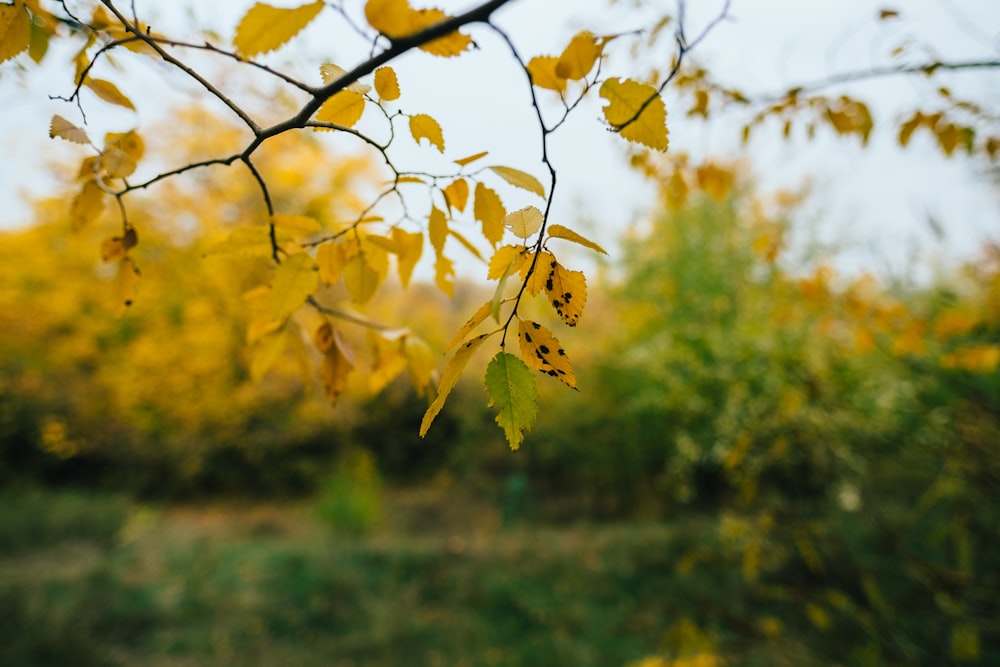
[(437, 584)]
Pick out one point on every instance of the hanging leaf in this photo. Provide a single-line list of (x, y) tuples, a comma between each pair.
[(423, 126), (87, 205), (265, 28), (520, 179), (444, 275), (126, 285), (437, 229), (294, 280), (449, 378), (539, 278), (15, 31), (560, 232), (472, 158), (567, 292), (332, 257), (420, 362), (489, 210), (336, 367), (386, 84), (524, 222), (344, 108), (395, 18), (249, 241), (361, 278), (388, 360), (117, 247), (410, 247), (109, 92), (300, 224), (467, 244), (457, 194), (477, 318), (511, 388), (543, 352), (331, 72), (543, 73), (265, 353), (625, 99), (62, 128), (505, 261), (579, 56)]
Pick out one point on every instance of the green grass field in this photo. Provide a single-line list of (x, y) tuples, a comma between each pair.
[(438, 583)]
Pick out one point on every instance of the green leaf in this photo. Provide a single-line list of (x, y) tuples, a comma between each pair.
[(511, 387)]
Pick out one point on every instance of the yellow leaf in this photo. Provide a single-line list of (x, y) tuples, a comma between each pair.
[(524, 222), (249, 241), (332, 258), (490, 211), (395, 18), (265, 28), (116, 163), (300, 224), (907, 128), (467, 244), (265, 353), (579, 56), (457, 194), (419, 362), (505, 261), (15, 31), (539, 278), (543, 73), (449, 378), (331, 72), (122, 151), (437, 229), (423, 126), (87, 205), (62, 128), (386, 84), (444, 274), (336, 367), (388, 359), (560, 232), (294, 280), (567, 291), (470, 159), (410, 247), (520, 179), (477, 318), (323, 337), (126, 284), (625, 99), (541, 351), (109, 92), (392, 18), (361, 279), (409, 179), (344, 108), (118, 246)]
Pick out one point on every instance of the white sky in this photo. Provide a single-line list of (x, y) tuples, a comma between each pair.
[(874, 200)]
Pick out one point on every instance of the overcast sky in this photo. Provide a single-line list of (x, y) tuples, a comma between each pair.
[(875, 200)]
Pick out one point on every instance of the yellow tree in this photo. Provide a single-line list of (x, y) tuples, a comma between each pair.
[(428, 210)]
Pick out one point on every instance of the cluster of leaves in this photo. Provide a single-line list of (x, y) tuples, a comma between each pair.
[(308, 253)]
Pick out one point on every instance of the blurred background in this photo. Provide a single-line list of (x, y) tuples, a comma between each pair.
[(784, 451)]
